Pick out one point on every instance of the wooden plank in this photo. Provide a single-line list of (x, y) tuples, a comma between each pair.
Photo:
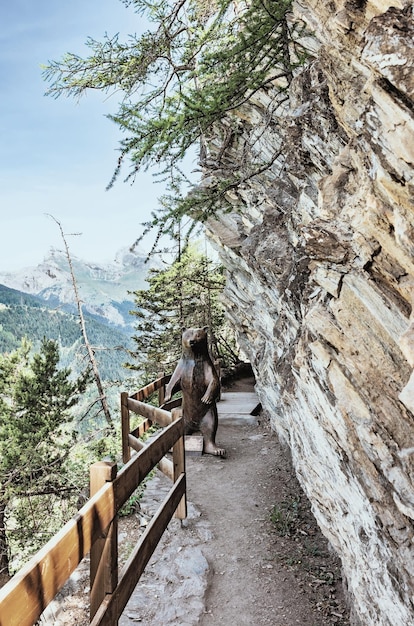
[(161, 390), (155, 414), (104, 551), (125, 427), (148, 390), (141, 429), (134, 472), (27, 594), (112, 608), (179, 462), (172, 404), (165, 465)]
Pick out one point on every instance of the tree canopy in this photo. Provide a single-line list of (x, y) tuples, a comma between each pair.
[(36, 398), (197, 62), (182, 295)]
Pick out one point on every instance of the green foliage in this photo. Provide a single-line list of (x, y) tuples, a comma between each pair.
[(23, 315), (197, 64), (132, 504), (184, 294), (33, 518), (285, 516), (36, 398)]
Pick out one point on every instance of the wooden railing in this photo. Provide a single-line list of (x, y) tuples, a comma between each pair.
[(94, 528)]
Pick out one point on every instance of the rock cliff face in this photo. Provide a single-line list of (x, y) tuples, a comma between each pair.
[(320, 258)]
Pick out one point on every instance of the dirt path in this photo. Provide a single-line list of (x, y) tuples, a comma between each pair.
[(262, 572), (249, 553)]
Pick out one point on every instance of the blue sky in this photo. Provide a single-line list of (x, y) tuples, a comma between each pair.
[(57, 156)]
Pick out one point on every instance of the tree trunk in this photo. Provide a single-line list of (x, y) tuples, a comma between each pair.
[(91, 355), (4, 551)]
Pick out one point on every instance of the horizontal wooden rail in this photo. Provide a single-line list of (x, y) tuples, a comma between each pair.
[(141, 429), (154, 413), (113, 605), (145, 392), (165, 465), (141, 464), (27, 594), (172, 404)]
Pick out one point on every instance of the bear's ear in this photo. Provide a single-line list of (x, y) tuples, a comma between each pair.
[(183, 329), (205, 328)]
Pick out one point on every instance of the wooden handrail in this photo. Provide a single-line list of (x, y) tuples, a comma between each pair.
[(114, 604), (27, 594), (145, 392), (134, 472), (153, 413), (165, 465)]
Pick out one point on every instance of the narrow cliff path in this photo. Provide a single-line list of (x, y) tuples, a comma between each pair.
[(262, 572), (250, 552)]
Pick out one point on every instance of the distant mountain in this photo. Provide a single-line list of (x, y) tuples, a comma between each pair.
[(102, 288), (23, 315), (39, 302)]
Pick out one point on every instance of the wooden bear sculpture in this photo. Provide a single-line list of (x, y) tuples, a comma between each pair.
[(198, 380)]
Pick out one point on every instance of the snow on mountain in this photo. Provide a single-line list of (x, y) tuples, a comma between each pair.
[(103, 288)]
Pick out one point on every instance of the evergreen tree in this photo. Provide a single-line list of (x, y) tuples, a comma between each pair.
[(184, 294), (180, 80), (36, 398)]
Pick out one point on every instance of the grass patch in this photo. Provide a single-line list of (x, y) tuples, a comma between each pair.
[(285, 517)]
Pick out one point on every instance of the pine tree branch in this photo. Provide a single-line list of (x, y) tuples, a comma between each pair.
[(198, 65)]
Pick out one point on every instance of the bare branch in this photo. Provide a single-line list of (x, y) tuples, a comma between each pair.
[(91, 355)]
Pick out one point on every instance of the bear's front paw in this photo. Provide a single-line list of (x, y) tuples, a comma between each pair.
[(206, 399)]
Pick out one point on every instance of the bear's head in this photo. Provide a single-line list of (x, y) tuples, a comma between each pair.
[(194, 340)]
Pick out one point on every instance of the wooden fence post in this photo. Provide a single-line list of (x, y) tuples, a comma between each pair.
[(104, 552), (125, 425), (179, 464), (161, 391)]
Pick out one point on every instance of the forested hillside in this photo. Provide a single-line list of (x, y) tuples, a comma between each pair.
[(103, 288), (24, 315)]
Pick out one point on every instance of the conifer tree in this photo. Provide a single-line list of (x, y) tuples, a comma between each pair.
[(36, 398), (184, 294), (197, 64)]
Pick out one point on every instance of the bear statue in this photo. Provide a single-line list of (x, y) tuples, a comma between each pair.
[(199, 382)]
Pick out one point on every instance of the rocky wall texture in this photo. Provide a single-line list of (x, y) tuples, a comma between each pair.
[(320, 258)]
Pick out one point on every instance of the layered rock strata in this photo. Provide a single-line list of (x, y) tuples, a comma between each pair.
[(320, 256)]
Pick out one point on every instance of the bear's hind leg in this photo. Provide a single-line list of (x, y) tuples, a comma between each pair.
[(208, 428)]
